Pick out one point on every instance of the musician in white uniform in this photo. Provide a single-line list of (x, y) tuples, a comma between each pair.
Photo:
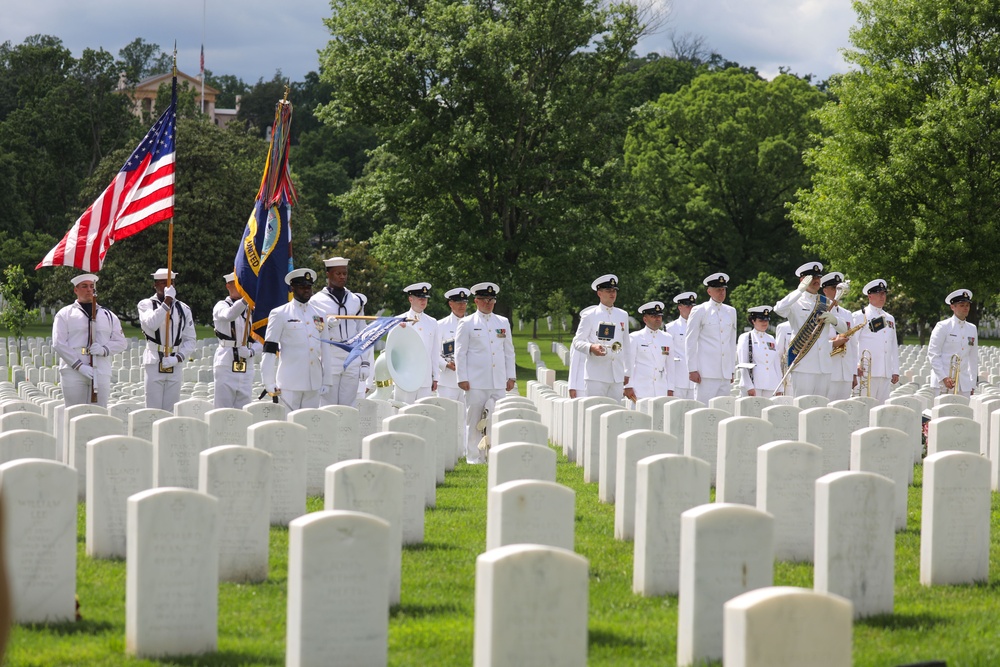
[(813, 326), (484, 363), (955, 336), (651, 352), (233, 364), (602, 337), (85, 344), (878, 338), (458, 302), (844, 364), (335, 299), (427, 327), (710, 344), (302, 373), (166, 347), (682, 385), (577, 360), (757, 356)]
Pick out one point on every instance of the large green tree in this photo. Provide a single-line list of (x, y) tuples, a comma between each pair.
[(498, 153), (711, 169), (906, 183)]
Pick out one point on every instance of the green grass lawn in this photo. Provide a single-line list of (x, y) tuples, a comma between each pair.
[(433, 624)]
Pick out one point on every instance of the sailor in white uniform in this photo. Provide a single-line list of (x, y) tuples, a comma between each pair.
[(757, 356), (710, 343), (167, 346), (85, 343), (427, 327), (652, 354), (878, 339), (955, 336), (458, 302), (577, 360), (333, 300), (233, 364), (844, 364), (683, 387), (602, 337)]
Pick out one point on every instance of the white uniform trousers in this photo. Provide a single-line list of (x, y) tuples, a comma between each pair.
[(615, 390), (477, 400), (810, 384), (232, 390), (76, 388), (454, 393), (880, 388), (709, 388), (297, 400), (686, 394), (344, 390), (759, 393), (410, 397), (163, 389), (839, 390)]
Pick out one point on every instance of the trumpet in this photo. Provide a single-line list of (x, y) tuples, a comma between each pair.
[(953, 371), (864, 374), (847, 334)]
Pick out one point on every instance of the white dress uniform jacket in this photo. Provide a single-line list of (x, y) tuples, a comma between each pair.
[(427, 327), (953, 336), (760, 349), (232, 389), (710, 341), (678, 359), (328, 304), (604, 326), (304, 361), (484, 351), (71, 333), (882, 344), (447, 330), (652, 352), (152, 320), (796, 307), (844, 366)]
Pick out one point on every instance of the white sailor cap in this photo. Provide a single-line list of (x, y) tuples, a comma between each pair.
[(161, 274), (457, 294), (300, 276), (877, 285), (759, 313), (83, 277), (716, 280), (809, 269), (229, 277), (686, 298), (489, 290), (420, 290), (959, 296), (335, 261), (831, 279), (651, 308), (607, 281)]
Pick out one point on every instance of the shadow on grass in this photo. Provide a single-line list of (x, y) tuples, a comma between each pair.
[(412, 610), (430, 546), (219, 658), (81, 627), (606, 638), (921, 621)]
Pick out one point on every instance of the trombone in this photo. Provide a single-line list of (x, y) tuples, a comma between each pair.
[(953, 371), (864, 374)]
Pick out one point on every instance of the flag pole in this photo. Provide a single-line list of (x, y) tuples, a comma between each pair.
[(170, 228)]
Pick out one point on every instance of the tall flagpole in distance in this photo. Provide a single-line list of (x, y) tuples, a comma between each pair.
[(204, 9), (170, 234)]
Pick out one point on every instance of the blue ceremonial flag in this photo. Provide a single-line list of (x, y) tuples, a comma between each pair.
[(360, 342), (265, 252)]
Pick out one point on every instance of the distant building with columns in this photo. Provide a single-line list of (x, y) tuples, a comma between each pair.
[(144, 96)]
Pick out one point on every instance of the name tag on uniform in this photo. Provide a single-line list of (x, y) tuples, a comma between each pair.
[(876, 325), (605, 331), (290, 321), (501, 333)]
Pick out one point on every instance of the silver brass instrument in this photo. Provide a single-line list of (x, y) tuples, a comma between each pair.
[(864, 374), (953, 371)]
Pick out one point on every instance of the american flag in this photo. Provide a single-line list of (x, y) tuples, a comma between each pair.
[(140, 195)]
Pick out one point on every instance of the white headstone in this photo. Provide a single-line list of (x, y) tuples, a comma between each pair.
[(674, 421), (956, 434), (751, 406), (592, 440), (177, 442), (193, 407), (902, 419), (263, 411), (726, 403), (811, 401), (519, 430), (520, 460), (529, 511), (62, 425), (612, 425), (20, 444), (82, 430), (118, 466), (227, 426), (24, 421), (784, 419), (454, 428), (406, 452), (347, 437), (286, 443), (371, 414), (579, 445), (739, 438), (787, 471), (322, 442), (701, 436), (885, 451), (425, 429), (857, 412), (633, 446), (827, 428), (140, 422)]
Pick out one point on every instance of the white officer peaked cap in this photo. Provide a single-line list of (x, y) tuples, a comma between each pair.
[(161, 274), (810, 269), (486, 289), (651, 308), (229, 277), (716, 280), (335, 261), (82, 278), (422, 290), (686, 298), (300, 273), (457, 294), (608, 280), (958, 296), (832, 279), (760, 310), (877, 285)]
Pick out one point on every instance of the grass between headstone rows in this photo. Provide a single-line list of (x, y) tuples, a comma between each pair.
[(433, 624)]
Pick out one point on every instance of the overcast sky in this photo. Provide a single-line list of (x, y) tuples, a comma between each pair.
[(253, 38)]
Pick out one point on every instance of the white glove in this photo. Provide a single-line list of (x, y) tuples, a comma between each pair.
[(87, 370), (270, 388), (324, 390), (828, 318), (168, 362), (97, 351), (244, 352), (804, 283), (170, 292)]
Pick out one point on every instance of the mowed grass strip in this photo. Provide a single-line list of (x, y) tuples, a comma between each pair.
[(433, 624)]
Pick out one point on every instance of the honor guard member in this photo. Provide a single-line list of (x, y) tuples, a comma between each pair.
[(844, 364), (458, 301), (652, 350), (233, 364), (85, 342), (168, 344), (710, 342), (603, 338), (484, 363), (877, 338), (951, 338), (302, 373), (336, 299), (783, 339), (683, 387), (366, 375), (427, 327), (812, 367), (757, 357), (577, 360)]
